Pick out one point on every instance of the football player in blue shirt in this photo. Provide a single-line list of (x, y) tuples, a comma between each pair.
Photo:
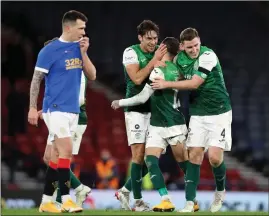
[(61, 63)]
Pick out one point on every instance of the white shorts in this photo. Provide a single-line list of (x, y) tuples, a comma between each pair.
[(136, 126), (161, 137), (61, 124), (77, 137), (206, 131)]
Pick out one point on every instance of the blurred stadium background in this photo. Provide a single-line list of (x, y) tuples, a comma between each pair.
[(237, 31)]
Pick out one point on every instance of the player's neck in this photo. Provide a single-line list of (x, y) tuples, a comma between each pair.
[(143, 49), (167, 57), (65, 38)]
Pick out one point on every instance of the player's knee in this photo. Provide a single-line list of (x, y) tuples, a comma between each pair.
[(64, 148), (138, 158), (196, 155), (66, 153), (179, 155), (214, 160), (138, 152)]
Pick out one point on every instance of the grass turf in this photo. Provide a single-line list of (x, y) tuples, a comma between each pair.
[(117, 212)]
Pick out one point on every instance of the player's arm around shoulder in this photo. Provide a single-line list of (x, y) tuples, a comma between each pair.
[(192, 84)]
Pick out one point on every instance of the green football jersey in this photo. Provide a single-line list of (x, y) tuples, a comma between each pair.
[(164, 103), (211, 98), (82, 119), (134, 55)]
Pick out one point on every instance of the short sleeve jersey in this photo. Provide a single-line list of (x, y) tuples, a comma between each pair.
[(62, 63)]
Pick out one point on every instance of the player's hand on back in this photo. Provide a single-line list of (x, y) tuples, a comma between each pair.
[(84, 45), (115, 104), (160, 52), (33, 116), (159, 83)]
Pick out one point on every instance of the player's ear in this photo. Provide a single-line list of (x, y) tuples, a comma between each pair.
[(140, 38), (181, 47), (66, 27)]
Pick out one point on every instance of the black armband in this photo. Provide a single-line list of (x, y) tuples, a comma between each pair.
[(203, 70)]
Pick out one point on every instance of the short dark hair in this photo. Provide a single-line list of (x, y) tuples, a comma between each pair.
[(188, 34), (146, 26), (172, 45), (73, 15), (47, 42)]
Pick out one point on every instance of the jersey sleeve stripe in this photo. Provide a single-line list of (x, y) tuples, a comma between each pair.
[(203, 70), (41, 69)]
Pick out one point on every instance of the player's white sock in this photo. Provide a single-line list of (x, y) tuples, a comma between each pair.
[(54, 196), (138, 200), (124, 189), (65, 198), (46, 198), (166, 197), (79, 188)]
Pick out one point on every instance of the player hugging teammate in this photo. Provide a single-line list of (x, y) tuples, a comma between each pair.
[(210, 123)]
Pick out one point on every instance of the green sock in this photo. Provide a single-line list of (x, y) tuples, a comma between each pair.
[(156, 174), (144, 169), (59, 198), (136, 180), (220, 176), (74, 180), (192, 180), (163, 191), (128, 184), (183, 166)]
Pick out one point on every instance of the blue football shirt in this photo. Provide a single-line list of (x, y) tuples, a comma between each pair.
[(62, 63)]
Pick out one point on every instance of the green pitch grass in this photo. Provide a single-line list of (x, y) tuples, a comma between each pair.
[(116, 212)]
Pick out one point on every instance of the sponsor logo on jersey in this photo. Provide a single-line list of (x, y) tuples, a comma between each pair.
[(73, 63), (137, 126), (138, 135), (222, 140), (129, 58), (207, 53)]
